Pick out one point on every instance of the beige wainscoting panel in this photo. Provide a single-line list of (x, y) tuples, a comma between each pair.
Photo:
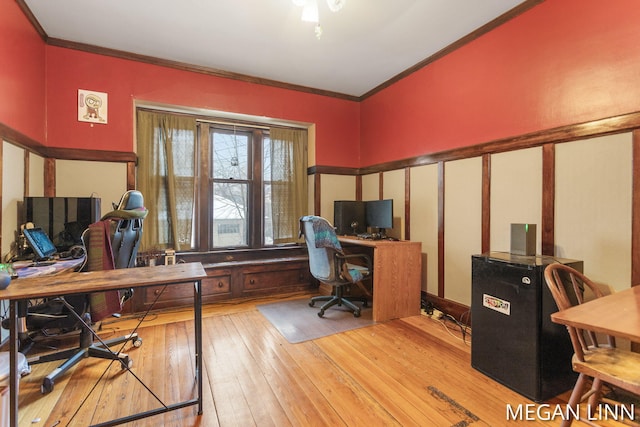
[(106, 180), (12, 192), (311, 192), (593, 206), (516, 195), (424, 221), (462, 225), (393, 188), (371, 186), (335, 187), (36, 175)]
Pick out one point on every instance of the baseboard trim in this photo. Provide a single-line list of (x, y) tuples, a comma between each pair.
[(461, 312)]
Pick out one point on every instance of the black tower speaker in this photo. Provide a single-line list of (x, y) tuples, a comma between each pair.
[(349, 217)]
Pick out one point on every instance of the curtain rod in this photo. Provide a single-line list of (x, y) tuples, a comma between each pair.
[(228, 122), (220, 122), (252, 124)]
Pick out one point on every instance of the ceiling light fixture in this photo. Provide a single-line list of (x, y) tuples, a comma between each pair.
[(335, 5), (310, 11)]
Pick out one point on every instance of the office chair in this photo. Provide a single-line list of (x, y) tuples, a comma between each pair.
[(110, 243), (329, 264), (596, 357)]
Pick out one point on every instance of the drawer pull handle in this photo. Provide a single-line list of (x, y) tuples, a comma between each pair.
[(157, 292), (220, 284), (252, 281)]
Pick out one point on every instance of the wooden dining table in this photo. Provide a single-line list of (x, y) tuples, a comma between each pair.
[(617, 314)]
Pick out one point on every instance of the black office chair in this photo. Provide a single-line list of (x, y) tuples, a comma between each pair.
[(329, 264), (109, 243)]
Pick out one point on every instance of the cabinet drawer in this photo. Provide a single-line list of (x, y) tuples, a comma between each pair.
[(216, 285), (211, 285), (168, 293), (275, 279)]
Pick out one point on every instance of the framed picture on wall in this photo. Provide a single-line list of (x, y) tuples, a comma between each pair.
[(92, 106)]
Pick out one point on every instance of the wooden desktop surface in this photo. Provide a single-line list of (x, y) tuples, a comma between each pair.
[(26, 269), (99, 281), (617, 314), (373, 243), (397, 276)]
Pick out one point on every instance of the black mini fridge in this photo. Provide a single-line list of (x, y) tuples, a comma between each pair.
[(513, 339)]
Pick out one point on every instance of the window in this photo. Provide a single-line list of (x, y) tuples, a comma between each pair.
[(230, 183), (219, 185)]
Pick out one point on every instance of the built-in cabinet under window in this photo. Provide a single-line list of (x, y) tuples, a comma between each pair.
[(234, 279)]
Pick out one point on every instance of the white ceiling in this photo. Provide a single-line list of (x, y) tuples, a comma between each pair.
[(362, 46)]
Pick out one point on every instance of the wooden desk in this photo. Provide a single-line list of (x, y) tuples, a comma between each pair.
[(26, 269), (617, 314), (100, 281), (397, 273)]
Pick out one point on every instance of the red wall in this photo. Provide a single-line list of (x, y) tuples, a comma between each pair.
[(337, 121), (562, 62), (22, 69)]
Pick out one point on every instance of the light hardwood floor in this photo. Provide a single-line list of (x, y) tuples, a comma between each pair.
[(407, 372)]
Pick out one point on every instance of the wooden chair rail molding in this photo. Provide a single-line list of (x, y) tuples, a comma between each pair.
[(10, 135), (601, 127), (606, 126), (51, 154)]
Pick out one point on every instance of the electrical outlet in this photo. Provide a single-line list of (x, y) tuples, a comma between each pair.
[(437, 314)]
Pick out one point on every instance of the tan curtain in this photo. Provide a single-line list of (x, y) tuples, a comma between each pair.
[(288, 182), (166, 178)]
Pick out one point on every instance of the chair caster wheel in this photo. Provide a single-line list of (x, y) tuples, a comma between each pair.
[(47, 386), (321, 313), (365, 304), (137, 342), (311, 303), (126, 363), (356, 313)]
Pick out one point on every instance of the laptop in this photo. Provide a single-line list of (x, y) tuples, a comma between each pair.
[(39, 241)]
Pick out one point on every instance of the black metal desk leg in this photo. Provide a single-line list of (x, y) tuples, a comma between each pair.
[(197, 300), (14, 377)]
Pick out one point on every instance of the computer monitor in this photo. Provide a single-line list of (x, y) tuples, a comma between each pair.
[(42, 246), (349, 217), (379, 214)]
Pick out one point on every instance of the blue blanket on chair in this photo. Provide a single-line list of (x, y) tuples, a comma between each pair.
[(325, 237), (324, 234)]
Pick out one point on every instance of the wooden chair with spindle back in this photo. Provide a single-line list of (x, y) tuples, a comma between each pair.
[(596, 357)]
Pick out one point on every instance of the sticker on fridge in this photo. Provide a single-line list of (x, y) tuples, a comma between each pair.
[(496, 304)]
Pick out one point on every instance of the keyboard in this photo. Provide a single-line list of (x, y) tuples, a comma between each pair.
[(369, 236), (374, 236)]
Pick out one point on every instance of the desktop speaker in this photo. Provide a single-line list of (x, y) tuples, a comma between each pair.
[(523, 239)]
